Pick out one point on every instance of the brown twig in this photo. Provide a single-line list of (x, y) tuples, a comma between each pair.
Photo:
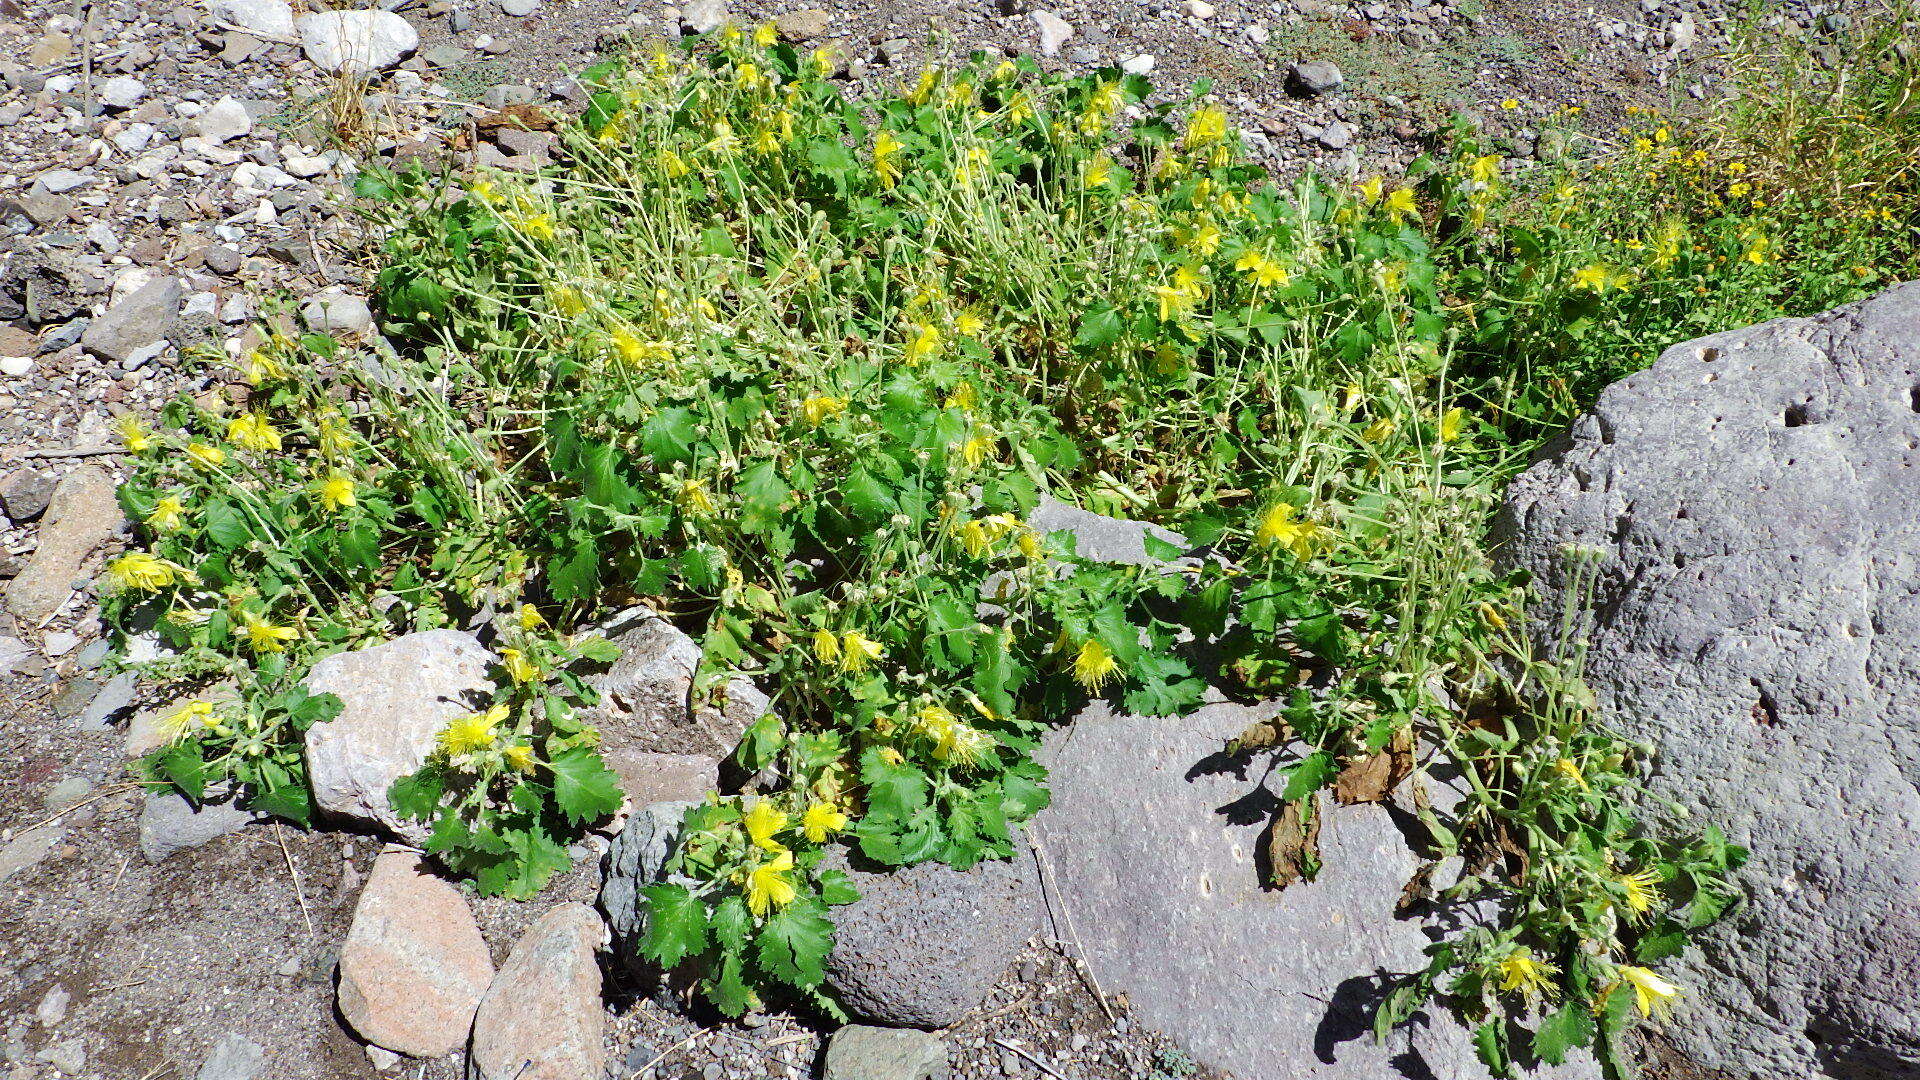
[(298, 893), (662, 1056), (65, 810), (93, 452), (1065, 919)]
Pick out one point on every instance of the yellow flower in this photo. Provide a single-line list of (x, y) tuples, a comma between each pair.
[(963, 396), (1450, 424), (1204, 240), (953, 739), (821, 820), (335, 436), (530, 617), (1400, 204), (885, 149), (816, 410), (967, 324), (1567, 767), (1099, 172), (1521, 973), (211, 456), (821, 60), (1094, 665), (1510, 104), (1378, 430), (694, 498), (1643, 891), (763, 820), (167, 514), (520, 757), (1279, 528), (133, 434), (978, 448), (924, 345), (538, 226), (635, 352), (973, 537), (473, 732), (1019, 108), (1370, 190), (519, 668), (147, 573), (891, 756), (1593, 277), (1206, 127), (1260, 270), (258, 366), (176, 724), (826, 647), (1650, 991), (765, 35), (1485, 168), (265, 637), (252, 432), (567, 301), (858, 650), (336, 492), (768, 885)]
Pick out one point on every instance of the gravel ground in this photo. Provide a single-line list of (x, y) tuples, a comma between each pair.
[(122, 160)]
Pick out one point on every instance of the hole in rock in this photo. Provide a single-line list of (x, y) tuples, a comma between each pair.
[(1913, 398), (1796, 416), (1709, 354)]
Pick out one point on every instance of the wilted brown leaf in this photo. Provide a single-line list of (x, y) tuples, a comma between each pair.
[(1372, 778), (1293, 843)]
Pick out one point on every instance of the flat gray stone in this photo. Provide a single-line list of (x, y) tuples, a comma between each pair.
[(138, 320), (235, 1057), (638, 858), (1150, 848), (82, 516), (541, 1018), (858, 1052), (169, 824), (646, 695), (261, 18), (1747, 511)]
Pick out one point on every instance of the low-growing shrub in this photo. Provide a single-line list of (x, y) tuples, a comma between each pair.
[(795, 371)]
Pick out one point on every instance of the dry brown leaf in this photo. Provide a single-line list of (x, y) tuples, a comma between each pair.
[(1372, 778), (1293, 843), (530, 117)]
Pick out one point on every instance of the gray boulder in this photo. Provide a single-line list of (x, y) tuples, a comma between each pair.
[(1745, 515), (541, 1019), (647, 699), (396, 698), (925, 943), (141, 318), (1149, 850), (83, 516), (636, 859)]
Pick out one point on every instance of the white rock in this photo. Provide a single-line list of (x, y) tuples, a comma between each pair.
[(262, 18), (223, 121), (133, 138), (397, 697), (356, 42), (519, 8), (701, 16), (122, 92), (1200, 9), (1054, 31), (15, 366), (335, 309), (59, 181), (1258, 33), (1138, 65), (306, 167)]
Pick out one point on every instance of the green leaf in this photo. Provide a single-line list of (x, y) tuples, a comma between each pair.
[(597, 649), (836, 888), (1566, 1028), (1100, 326), (731, 924), (583, 787), (418, 796), (183, 765), (1312, 774), (1665, 940), (1490, 1040), (794, 942), (305, 708), (290, 801), (226, 526), (761, 494), (676, 924), (866, 498)]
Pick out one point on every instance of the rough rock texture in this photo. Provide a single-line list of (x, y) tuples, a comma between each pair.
[(635, 861), (356, 42), (1750, 510), (858, 1052), (262, 18), (1095, 536), (414, 968), (646, 695), (132, 324), (648, 778), (82, 516), (924, 944), (396, 697), (169, 823), (542, 1018), (235, 1057)]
